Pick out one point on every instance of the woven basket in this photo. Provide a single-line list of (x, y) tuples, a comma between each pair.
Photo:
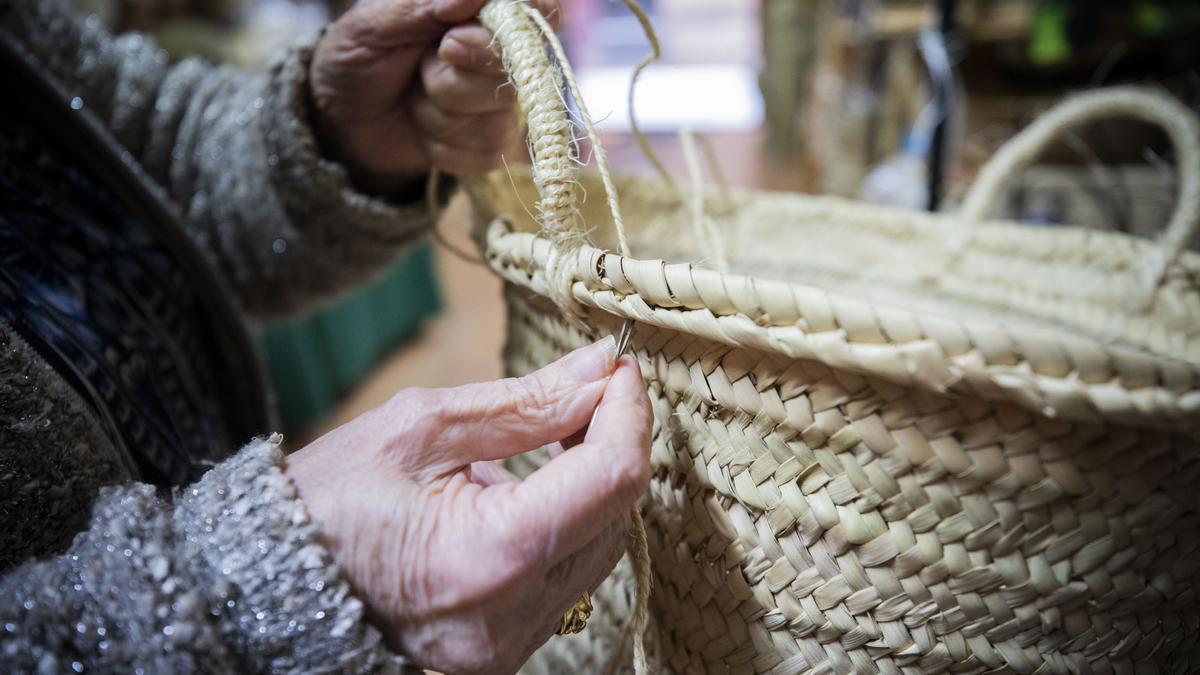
[(885, 441)]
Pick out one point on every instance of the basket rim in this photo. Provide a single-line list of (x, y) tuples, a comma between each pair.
[(990, 359), (1096, 283)]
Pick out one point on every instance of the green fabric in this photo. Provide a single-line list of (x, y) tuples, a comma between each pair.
[(314, 362), (1048, 43), (1151, 18)]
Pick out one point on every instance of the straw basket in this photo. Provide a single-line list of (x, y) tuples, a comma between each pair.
[(885, 441)]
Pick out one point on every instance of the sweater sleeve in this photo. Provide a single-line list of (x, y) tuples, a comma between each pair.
[(226, 577), (233, 150)]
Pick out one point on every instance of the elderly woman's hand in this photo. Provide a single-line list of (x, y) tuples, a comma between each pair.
[(400, 85), (465, 568)]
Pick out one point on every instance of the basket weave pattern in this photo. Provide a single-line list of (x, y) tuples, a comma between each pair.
[(877, 452), (805, 517)]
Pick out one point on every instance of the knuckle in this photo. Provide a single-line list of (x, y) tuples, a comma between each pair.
[(641, 413), (350, 40), (429, 114), (422, 411), (529, 395), (481, 404), (444, 83), (438, 150)]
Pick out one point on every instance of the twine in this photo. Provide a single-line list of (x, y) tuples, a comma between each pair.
[(707, 236), (554, 174), (522, 32), (434, 210), (601, 157), (654, 55)]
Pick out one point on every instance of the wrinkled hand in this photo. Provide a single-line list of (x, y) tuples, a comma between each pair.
[(401, 85), (465, 568)]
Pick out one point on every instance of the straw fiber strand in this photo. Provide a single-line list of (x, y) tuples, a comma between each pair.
[(880, 446)]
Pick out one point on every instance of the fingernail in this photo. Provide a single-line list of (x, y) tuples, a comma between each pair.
[(593, 362), (451, 50)]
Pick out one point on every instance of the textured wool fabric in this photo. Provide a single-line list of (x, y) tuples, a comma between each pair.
[(234, 151), (55, 456), (226, 575)]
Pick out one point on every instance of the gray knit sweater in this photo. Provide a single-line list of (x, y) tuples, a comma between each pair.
[(226, 575)]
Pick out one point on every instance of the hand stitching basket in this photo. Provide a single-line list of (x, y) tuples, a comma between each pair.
[(885, 441)]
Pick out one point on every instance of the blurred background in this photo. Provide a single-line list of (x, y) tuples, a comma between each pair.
[(892, 101)]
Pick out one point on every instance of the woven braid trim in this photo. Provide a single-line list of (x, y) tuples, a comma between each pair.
[(1086, 280), (1054, 374)]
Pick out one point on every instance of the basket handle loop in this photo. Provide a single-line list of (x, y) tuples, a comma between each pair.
[(538, 85), (1141, 103), (525, 37)]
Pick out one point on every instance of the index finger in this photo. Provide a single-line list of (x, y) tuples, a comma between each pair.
[(572, 497)]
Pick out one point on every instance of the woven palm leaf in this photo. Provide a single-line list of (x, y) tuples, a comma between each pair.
[(885, 441)]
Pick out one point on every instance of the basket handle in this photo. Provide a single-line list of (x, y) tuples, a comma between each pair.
[(538, 85), (1145, 104), (524, 37)]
